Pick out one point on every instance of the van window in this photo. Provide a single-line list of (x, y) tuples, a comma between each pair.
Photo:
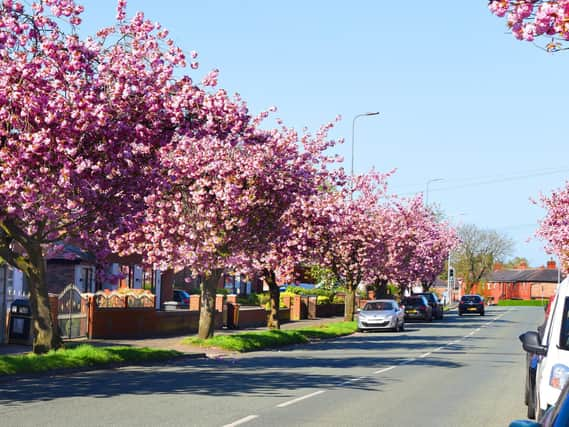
[(564, 338)]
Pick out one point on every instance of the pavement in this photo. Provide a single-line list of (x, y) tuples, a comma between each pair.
[(174, 342)]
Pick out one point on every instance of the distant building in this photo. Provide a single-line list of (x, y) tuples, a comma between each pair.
[(521, 283)]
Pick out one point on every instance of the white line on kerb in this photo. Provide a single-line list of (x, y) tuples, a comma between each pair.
[(381, 371), (242, 421), (298, 399)]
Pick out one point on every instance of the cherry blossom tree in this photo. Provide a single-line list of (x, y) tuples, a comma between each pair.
[(298, 169), (417, 245), (346, 225), (531, 19), (554, 228), (84, 125)]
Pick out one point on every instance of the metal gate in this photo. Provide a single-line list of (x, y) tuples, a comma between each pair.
[(72, 313)]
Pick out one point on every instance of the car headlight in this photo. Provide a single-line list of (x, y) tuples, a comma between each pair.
[(559, 376)]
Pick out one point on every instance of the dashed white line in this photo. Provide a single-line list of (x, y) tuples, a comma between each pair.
[(381, 371), (298, 399), (242, 421)]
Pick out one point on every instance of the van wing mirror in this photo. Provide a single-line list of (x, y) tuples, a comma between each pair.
[(531, 343)]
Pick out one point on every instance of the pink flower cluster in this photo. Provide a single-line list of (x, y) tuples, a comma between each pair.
[(529, 19)]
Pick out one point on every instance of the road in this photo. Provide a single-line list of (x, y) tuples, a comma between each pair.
[(462, 371)]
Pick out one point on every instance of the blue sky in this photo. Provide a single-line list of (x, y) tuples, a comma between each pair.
[(460, 99)]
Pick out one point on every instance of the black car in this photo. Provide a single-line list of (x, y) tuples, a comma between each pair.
[(417, 308), (182, 297), (471, 304), (435, 304)]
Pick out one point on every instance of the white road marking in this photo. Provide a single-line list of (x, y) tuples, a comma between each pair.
[(298, 399), (406, 362), (425, 355), (381, 371), (242, 421)]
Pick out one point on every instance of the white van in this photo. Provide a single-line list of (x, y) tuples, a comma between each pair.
[(553, 350)]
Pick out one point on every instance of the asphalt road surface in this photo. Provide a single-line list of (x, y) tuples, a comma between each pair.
[(461, 371)]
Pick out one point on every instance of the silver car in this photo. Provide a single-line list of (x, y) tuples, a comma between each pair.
[(381, 314)]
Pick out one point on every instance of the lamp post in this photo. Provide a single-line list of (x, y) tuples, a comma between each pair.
[(375, 113), (427, 189)]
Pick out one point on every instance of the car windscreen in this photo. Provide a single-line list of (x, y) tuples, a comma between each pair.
[(378, 306), (430, 297), (470, 299), (413, 302)]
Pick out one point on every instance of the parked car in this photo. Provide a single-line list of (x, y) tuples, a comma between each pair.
[(470, 304), (381, 314), (417, 308), (436, 305), (551, 346), (182, 297), (556, 416)]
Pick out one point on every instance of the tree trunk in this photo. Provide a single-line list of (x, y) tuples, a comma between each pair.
[(207, 308), (350, 302), (426, 285), (273, 321), (381, 288), (46, 335)]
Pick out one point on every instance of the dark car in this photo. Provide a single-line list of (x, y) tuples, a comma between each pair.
[(435, 304), (417, 308), (471, 304), (182, 297)]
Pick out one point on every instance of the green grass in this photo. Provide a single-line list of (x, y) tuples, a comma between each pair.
[(80, 357), (525, 303), (252, 341)]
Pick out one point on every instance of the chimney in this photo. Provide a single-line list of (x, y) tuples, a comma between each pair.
[(551, 265), (498, 266), (523, 265)]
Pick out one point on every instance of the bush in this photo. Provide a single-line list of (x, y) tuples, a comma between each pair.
[(254, 299), (339, 299), (322, 299)]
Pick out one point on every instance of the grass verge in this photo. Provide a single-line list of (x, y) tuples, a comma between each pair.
[(524, 303), (252, 341), (80, 357)]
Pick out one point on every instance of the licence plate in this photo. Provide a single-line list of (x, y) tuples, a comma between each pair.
[(412, 311), (472, 309)]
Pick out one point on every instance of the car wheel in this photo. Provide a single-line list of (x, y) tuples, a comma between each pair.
[(482, 313), (402, 327), (531, 406), (459, 313)]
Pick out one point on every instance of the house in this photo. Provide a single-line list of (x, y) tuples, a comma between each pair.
[(70, 265), (522, 282)]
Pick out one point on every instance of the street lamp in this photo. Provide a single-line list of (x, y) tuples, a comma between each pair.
[(375, 113), (427, 189)]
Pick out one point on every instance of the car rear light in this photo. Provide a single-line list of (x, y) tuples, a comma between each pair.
[(422, 308), (559, 376)]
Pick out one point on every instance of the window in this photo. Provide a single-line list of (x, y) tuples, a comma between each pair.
[(564, 338)]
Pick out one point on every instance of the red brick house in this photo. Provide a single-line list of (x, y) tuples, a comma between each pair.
[(521, 283)]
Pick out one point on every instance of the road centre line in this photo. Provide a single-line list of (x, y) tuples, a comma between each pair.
[(298, 399), (381, 371), (242, 421)]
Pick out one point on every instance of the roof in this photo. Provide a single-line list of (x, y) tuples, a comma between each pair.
[(544, 275), (69, 253)]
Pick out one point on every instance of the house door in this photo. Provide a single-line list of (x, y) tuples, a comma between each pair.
[(72, 313)]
